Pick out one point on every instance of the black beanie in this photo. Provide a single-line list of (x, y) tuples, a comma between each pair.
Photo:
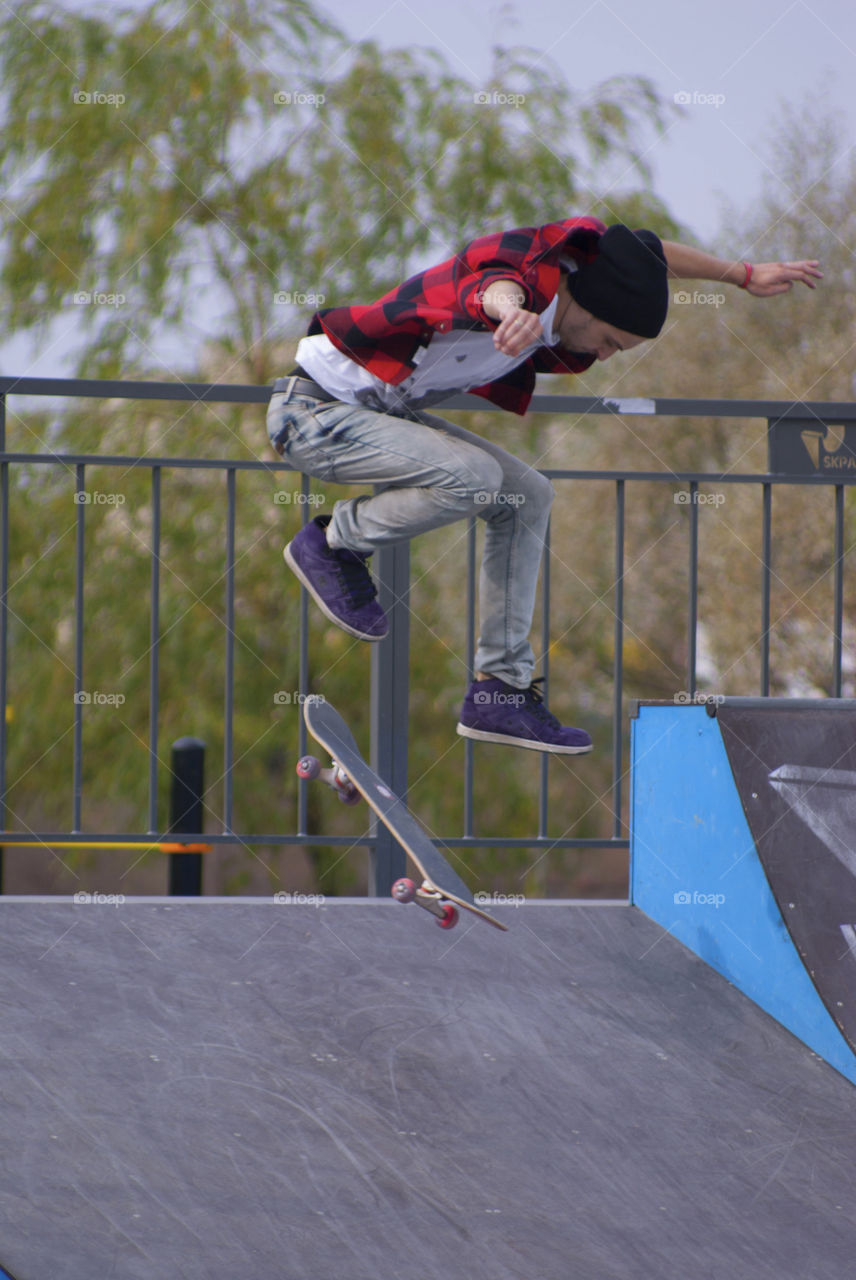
[(626, 283)]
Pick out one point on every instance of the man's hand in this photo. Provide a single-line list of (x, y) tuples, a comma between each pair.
[(517, 329), (770, 278)]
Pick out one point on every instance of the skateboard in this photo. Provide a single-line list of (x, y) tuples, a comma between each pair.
[(442, 892)]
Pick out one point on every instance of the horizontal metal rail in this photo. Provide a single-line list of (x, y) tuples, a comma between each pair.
[(625, 406), (129, 462)]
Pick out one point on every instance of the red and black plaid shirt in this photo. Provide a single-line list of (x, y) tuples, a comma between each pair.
[(384, 336)]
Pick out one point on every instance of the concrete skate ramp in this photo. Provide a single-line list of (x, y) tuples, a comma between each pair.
[(346, 1092)]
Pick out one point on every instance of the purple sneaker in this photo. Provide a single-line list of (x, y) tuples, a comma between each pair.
[(338, 580), (494, 711)]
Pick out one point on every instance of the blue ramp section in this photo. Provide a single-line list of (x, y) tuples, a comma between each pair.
[(697, 868)]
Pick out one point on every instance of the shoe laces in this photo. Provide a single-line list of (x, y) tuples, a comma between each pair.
[(356, 578), (536, 700)]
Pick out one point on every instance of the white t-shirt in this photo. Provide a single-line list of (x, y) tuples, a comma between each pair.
[(452, 362)]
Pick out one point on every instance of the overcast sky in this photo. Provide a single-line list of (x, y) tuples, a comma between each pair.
[(738, 60)]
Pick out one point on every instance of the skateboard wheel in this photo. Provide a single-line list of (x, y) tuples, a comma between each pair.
[(449, 918), (351, 796), (308, 767), (404, 890)]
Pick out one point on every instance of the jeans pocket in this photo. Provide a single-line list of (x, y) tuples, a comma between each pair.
[(280, 420)]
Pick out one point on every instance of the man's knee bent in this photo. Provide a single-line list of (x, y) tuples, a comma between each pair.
[(531, 495), (538, 490)]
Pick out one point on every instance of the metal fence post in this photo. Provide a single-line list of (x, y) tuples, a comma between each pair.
[(186, 814), (390, 686)]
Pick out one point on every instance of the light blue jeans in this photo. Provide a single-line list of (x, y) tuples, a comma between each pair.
[(429, 473)]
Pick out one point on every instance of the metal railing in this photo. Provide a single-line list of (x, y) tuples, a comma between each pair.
[(390, 659)]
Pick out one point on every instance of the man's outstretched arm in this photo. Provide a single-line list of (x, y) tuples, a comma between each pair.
[(767, 278)]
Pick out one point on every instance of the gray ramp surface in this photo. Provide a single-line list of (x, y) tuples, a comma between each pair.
[(345, 1092)]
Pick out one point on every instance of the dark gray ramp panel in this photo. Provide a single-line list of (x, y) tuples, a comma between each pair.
[(259, 1091), (795, 771)]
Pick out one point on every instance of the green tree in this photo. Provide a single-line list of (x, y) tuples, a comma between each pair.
[(198, 162)]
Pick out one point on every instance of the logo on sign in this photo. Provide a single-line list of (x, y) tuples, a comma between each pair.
[(825, 449)]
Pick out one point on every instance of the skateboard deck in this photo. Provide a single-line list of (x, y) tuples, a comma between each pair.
[(441, 886)]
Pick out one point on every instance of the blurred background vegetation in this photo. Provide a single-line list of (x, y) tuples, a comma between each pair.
[(213, 177)]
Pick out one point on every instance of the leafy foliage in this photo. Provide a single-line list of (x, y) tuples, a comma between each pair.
[(203, 164)]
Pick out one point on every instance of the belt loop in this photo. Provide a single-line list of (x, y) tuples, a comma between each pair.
[(289, 388)]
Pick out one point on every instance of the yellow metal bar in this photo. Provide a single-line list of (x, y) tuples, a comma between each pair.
[(104, 844)]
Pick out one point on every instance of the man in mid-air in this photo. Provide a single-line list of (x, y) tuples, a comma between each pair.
[(548, 299)]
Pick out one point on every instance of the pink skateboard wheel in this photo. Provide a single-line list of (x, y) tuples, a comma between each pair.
[(449, 918), (308, 767), (404, 890)]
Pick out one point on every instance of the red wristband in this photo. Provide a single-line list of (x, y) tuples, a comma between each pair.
[(748, 266)]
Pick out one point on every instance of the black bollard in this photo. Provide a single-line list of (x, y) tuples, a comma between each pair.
[(186, 815)]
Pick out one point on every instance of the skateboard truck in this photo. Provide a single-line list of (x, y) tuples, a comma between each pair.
[(309, 767), (427, 897)]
